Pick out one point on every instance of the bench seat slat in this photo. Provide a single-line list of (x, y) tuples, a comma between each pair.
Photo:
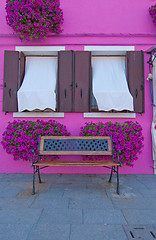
[(76, 163), (92, 153)]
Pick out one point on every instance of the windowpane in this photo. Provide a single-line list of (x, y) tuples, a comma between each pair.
[(39, 84), (109, 83)]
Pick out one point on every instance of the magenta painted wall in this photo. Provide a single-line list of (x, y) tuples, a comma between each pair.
[(90, 22)]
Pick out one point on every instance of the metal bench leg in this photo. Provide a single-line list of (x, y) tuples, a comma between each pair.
[(39, 177), (117, 189), (33, 191), (110, 179)]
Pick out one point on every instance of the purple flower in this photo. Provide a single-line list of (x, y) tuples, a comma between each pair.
[(127, 138), (21, 137)]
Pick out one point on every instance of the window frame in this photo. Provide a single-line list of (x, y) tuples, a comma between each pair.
[(39, 51), (109, 51)]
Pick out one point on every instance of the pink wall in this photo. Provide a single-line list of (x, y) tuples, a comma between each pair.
[(90, 22)]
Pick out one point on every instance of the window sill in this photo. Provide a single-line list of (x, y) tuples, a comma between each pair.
[(39, 114), (109, 115)]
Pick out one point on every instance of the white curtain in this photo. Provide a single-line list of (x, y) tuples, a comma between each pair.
[(110, 87), (39, 84)]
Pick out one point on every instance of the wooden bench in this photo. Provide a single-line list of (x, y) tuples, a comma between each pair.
[(71, 145)]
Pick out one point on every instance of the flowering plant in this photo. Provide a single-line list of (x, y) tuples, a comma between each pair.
[(34, 18), (152, 12), (127, 137), (21, 137)]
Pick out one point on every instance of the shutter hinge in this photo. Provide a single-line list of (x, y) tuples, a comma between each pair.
[(142, 87), (71, 86)]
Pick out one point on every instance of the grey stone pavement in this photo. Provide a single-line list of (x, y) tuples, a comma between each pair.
[(76, 207)]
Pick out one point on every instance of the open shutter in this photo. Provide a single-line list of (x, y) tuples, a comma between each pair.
[(82, 76), (65, 81), (135, 78), (22, 69), (10, 86)]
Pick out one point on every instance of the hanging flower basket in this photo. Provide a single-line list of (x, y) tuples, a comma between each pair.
[(32, 19), (152, 12)]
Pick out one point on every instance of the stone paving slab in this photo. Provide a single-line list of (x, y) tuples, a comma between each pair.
[(61, 216), (97, 203), (7, 192), (130, 201), (84, 193), (14, 231), (107, 216), (15, 203), (148, 193), (140, 216), (25, 215), (49, 231), (16, 177), (52, 203), (97, 232)]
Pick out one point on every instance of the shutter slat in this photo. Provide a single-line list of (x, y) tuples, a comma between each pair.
[(82, 90), (135, 78), (65, 82), (10, 86)]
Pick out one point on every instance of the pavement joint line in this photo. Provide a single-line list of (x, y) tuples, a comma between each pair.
[(63, 194), (70, 231), (110, 198), (82, 216), (33, 201), (124, 217), (40, 216), (69, 202), (28, 235)]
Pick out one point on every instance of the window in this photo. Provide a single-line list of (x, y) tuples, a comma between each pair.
[(74, 83), (38, 90), (14, 74), (134, 61), (109, 84)]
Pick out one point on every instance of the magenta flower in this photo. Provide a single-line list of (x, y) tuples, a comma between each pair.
[(21, 137), (127, 138)]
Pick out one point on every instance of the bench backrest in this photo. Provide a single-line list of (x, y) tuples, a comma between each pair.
[(71, 145)]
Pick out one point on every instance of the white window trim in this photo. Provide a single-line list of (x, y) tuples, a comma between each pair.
[(39, 114), (39, 50), (109, 50), (109, 115)]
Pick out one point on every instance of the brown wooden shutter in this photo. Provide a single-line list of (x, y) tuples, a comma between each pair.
[(82, 73), (22, 69), (65, 81), (10, 86), (135, 78)]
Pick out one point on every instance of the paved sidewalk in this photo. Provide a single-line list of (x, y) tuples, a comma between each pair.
[(75, 207)]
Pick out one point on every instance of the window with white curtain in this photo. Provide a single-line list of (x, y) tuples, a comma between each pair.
[(38, 90), (109, 84)]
